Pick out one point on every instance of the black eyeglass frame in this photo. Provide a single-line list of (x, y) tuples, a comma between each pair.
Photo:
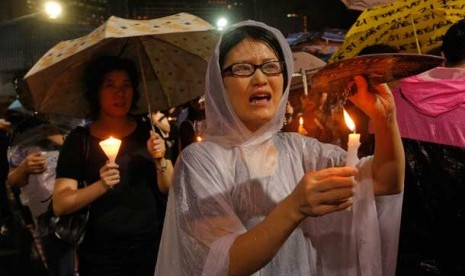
[(229, 72)]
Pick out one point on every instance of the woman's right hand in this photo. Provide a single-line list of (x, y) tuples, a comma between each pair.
[(109, 175), (324, 191)]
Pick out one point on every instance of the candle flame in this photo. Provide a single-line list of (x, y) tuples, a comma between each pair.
[(301, 121), (111, 147), (349, 122), (199, 138)]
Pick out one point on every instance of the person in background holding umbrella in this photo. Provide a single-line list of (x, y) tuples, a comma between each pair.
[(251, 199), (126, 197)]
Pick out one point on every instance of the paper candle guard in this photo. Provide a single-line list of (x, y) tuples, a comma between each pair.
[(111, 147)]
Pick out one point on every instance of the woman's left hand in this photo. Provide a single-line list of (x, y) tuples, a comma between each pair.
[(377, 104), (156, 145)]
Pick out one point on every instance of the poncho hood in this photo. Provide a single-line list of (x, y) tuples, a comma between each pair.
[(223, 125), (436, 91)]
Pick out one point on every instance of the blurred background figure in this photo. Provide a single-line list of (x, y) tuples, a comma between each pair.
[(308, 118), (33, 158), (431, 118), (289, 114), (192, 128), (5, 211)]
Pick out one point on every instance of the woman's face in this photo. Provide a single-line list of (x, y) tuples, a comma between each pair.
[(254, 99), (116, 94)]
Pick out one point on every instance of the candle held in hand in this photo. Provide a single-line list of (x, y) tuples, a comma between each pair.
[(302, 129), (111, 147), (353, 143)]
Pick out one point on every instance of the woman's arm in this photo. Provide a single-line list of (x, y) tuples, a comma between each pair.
[(156, 147), (164, 169), (389, 157), (67, 198)]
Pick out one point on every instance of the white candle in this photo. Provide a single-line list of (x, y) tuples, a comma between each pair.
[(111, 147), (353, 143)]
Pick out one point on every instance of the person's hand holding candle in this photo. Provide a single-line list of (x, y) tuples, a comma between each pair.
[(109, 173)]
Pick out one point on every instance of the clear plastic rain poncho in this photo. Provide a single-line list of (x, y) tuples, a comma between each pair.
[(229, 183)]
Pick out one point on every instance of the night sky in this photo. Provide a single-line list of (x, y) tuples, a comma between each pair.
[(320, 14)]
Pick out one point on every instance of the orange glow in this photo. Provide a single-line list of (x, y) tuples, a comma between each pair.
[(349, 122), (199, 138), (111, 147)]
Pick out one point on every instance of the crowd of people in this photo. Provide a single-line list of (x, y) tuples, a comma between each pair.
[(245, 180)]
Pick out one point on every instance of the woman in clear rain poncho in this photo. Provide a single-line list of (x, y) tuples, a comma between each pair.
[(251, 199)]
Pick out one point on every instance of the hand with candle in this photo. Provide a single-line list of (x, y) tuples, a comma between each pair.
[(156, 146), (109, 175), (325, 191)]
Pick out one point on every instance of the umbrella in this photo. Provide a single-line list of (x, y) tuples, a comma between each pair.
[(377, 68), (361, 5), (412, 26), (171, 52), (305, 64)]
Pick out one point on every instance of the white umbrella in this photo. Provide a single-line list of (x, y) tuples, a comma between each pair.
[(305, 65), (171, 52)]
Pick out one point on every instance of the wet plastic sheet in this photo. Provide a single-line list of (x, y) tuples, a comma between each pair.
[(432, 238)]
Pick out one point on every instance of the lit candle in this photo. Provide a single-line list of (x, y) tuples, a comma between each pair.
[(199, 138), (353, 143), (301, 129), (111, 147)]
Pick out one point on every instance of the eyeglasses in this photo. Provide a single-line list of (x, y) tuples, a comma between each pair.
[(269, 68)]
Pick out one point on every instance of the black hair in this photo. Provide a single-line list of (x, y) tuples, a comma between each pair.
[(95, 73), (453, 44), (234, 37), (378, 49)]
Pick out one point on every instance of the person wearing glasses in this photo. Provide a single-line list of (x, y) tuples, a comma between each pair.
[(250, 199)]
